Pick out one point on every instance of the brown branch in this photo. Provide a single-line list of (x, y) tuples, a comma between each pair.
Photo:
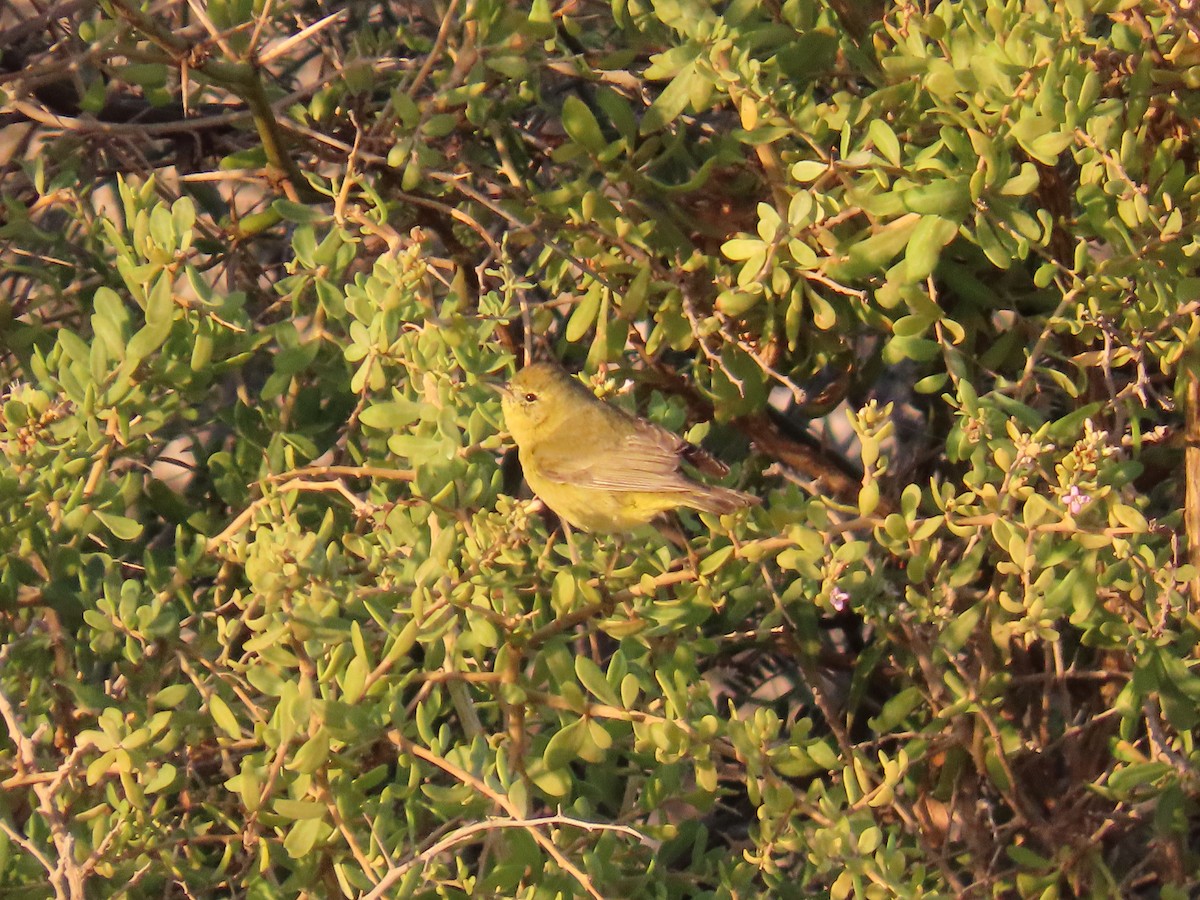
[(66, 876), (1191, 464), (500, 799), (464, 833)]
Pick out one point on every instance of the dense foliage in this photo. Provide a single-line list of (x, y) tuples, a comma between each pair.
[(276, 619)]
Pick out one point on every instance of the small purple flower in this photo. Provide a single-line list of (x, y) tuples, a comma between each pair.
[(839, 598), (1076, 499)]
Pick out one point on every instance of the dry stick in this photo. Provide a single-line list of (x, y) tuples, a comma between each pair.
[(43, 116), (1025, 810), (1191, 463), (35, 21), (379, 161), (457, 183), (66, 876), (500, 799), (251, 828), (811, 677), (365, 863), (439, 44), (1161, 747), (214, 33), (293, 484), (458, 835), (300, 36), (260, 20), (239, 77)]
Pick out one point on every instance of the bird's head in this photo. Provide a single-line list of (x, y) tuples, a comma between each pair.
[(538, 399)]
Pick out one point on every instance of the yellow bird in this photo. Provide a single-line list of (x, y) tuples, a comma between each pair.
[(599, 468)]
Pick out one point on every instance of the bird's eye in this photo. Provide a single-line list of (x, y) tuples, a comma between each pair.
[(530, 397)]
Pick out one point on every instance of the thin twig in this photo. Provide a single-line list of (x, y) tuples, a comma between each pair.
[(500, 799)]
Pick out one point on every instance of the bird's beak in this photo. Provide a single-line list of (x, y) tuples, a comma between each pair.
[(499, 387)]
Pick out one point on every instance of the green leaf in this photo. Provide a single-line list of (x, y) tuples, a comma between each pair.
[(737, 303), (300, 809), (875, 252), (1023, 183), (619, 112), (593, 679), (161, 779), (925, 245), (744, 248), (555, 782), (223, 717), (183, 213), (716, 560), (98, 768), (440, 125), (885, 140), (312, 755), (584, 315), (993, 762), (956, 634), (581, 126), (948, 197), (671, 102), (633, 303), (290, 211), (808, 170), (149, 338), (355, 678), (897, 709), (74, 347), (109, 321), (1047, 148), (563, 747), (202, 348), (418, 448), (823, 755), (541, 20), (302, 837), (994, 248), (121, 527), (917, 349), (391, 415), (172, 696)]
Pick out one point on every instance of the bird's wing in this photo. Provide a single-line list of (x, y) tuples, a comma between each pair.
[(646, 459)]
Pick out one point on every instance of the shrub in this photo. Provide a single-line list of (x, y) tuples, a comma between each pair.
[(276, 619)]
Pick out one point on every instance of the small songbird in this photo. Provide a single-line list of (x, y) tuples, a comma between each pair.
[(598, 467)]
